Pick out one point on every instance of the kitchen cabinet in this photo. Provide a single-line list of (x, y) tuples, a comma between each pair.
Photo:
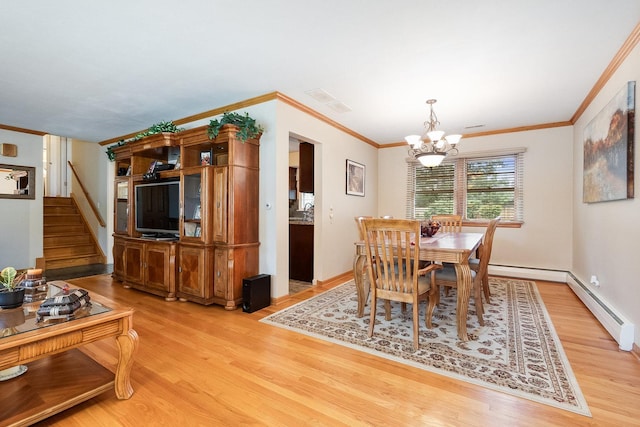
[(301, 252), (306, 168)]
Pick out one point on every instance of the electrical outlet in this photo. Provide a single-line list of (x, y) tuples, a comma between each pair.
[(594, 281)]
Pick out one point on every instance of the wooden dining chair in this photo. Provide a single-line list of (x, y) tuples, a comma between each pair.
[(363, 294), (447, 277), (487, 245), (449, 223), (393, 248)]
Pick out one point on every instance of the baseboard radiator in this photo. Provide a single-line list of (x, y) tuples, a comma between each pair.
[(620, 328)]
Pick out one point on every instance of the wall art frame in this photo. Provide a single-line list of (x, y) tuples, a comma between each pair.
[(608, 149), (355, 178)]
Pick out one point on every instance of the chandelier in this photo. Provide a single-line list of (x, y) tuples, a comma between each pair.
[(432, 147)]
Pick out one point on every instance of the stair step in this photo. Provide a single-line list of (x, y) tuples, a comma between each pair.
[(68, 251), (63, 229), (73, 262), (67, 239), (57, 201), (60, 210), (62, 219)]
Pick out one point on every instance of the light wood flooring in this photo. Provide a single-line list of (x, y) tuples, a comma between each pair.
[(204, 366)]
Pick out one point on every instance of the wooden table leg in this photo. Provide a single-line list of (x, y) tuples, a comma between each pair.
[(463, 273), (362, 288), (127, 345)]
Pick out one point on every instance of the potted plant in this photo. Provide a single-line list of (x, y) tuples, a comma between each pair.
[(247, 127), (11, 291), (161, 127)]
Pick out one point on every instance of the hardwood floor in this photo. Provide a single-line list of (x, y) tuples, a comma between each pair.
[(206, 366)]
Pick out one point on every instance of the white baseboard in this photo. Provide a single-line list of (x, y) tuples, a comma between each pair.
[(621, 329), (528, 273)]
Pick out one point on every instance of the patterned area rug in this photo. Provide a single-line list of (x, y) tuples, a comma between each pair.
[(516, 352)]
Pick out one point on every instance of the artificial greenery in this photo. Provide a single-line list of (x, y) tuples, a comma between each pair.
[(160, 127), (247, 127)]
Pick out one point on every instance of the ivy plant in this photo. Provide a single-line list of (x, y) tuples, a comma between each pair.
[(247, 127), (160, 127)]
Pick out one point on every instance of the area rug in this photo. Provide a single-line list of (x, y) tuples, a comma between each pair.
[(517, 351)]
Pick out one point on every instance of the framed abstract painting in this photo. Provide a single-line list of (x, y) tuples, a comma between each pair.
[(608, 150)]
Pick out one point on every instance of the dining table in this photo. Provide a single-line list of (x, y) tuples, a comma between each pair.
[(450, 247)]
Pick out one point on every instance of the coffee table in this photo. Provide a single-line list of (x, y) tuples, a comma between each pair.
[(59, 375)]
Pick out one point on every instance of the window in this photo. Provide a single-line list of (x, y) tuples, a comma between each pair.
[(477, 187)]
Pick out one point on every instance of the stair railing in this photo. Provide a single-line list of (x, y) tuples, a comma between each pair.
[(86, 195)]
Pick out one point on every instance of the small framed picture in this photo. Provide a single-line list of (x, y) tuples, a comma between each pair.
[(152, 166), (196, 212), (198, 231), (355, 178), (205, 158)]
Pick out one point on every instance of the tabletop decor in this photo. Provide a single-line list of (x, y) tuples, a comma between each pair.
[(11, 290), (608, 150), (517, 351)]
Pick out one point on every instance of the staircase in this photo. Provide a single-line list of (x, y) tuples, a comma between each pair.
[(67, 239)]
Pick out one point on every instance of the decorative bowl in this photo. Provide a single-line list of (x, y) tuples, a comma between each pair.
[(429, 228)]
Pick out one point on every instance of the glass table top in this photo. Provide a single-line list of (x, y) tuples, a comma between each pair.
[(23, 319)]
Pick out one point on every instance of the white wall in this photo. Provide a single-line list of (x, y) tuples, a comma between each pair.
[(606, 235), (97, 173), (334, 225), (544, 240), (21, 219)]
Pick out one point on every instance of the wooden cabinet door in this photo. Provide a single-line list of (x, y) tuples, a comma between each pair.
[(306, 168), (301, 252), (221, 274), (158, 263), (220, 203), (133, 259), (118, 258), (121, 206), (192, 278)]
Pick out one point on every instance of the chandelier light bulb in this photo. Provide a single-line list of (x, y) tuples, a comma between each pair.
[(431, 148)]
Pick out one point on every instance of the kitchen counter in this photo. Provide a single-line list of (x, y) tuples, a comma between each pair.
[(299, 221)]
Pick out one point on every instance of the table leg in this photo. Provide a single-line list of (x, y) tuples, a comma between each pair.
[(362, 285), (127, 345), (463, 273)]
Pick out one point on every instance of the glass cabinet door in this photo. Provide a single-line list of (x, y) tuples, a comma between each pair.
[(192, 205), (122, 207)]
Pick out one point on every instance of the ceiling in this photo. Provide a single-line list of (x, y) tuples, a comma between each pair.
[(99, 70)]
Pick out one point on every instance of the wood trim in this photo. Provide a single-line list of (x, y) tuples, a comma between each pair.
[(617, 60), (292, 102), (254, 101), (22, 130)]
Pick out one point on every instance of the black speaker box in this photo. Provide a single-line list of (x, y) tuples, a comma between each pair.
[(256, 293)]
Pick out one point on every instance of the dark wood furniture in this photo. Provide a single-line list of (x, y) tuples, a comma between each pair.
[(218, 241), (306, 168), (301, 251)]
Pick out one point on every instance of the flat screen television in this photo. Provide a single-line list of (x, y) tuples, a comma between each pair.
[(157, 206)]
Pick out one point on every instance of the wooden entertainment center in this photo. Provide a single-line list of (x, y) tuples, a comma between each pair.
[(217, 243)]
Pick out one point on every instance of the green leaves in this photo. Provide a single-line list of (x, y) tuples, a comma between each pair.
[(160, 127), (7, 275), (247, 127)]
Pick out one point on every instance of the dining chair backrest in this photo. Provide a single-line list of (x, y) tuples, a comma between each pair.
[(449, 223), (359, 224), (392, 247), (389, 243), (487, 246)]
